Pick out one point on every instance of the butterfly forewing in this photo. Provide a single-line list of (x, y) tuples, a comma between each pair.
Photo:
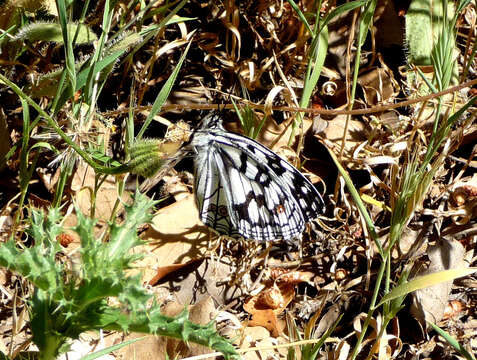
[(244, 189), (211, 197)]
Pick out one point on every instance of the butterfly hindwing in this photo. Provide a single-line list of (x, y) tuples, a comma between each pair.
[(260, 209)]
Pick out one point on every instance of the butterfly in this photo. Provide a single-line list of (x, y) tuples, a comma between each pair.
[(243, 189)]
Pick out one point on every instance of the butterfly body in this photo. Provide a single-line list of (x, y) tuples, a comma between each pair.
[(243, 189)]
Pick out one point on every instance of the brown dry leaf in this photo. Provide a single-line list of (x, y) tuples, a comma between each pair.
[(275, 298), (158, 347), (152, 347), (106, 196), (271, 131), (267, 319), (378, 86), (333, 131), (164, 271), (453, 309), (201, 313), (430, 303), (464, 200), (177, 243), (292, 277), (271, 302), (177, 233), (257, 336)]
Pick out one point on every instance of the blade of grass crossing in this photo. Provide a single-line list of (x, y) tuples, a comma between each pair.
[(453, 342), (90, 90), (110, 349), (340, 10), (300, 15), (425, 281), (163, 94), (68, 44)]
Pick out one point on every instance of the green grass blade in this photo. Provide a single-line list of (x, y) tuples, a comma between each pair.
[(163, 94), (340, 10), (68, 45), (453, 342), (425, 281), (359, 203), (110, 349), (300, 15)]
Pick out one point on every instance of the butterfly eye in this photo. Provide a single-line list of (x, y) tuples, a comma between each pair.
[(222, 210), (212, 208)]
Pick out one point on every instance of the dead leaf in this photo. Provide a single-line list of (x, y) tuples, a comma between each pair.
[(334, 130), (378, 86), (177, 243), (453, 309), (177, 234), (268, 320), (269, 303), (164, 271), (257, 336), (464, 200), (201, 313), (152, 347), (83, 184), (430, 303)]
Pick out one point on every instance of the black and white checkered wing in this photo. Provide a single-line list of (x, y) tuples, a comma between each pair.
[(244, 189)]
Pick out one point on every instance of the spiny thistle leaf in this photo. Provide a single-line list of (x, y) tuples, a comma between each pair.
[(67, 303), (37, 263)]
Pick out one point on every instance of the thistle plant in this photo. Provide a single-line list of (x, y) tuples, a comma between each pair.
[(67, 302)]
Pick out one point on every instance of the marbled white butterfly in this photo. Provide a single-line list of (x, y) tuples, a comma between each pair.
[(243, 189)]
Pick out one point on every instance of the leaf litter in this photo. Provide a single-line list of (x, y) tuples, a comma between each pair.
[(255, 52)]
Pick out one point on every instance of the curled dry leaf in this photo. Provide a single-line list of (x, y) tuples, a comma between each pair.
[(453, 309), (271, 132), (282, 276), (275, 298), (430, 303), (265, 306), (464, 198)]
